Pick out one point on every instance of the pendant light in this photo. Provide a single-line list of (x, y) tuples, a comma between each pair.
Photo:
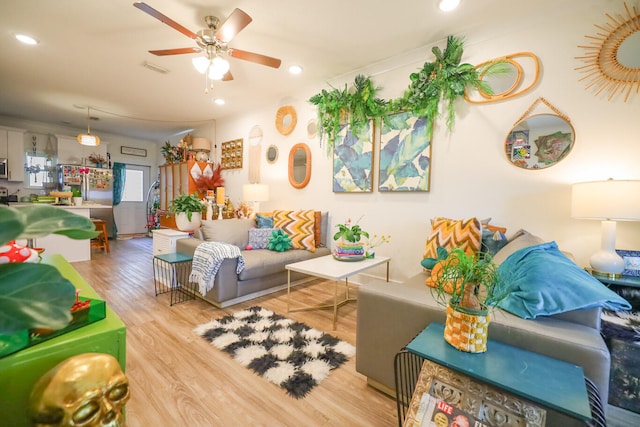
[(87, 138)]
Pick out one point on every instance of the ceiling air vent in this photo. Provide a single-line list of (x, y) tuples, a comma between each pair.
[(154, 67)]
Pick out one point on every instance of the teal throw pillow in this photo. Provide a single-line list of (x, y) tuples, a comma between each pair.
[(263, 221), (542, 281), (279, 241)]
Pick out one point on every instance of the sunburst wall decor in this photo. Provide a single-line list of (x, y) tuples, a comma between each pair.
[(604, 72)]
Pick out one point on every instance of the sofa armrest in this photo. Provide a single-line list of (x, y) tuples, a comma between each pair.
[(589, 317), (187, 245)]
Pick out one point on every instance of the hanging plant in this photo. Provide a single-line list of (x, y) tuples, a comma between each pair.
[(444, 79), (355, 106)]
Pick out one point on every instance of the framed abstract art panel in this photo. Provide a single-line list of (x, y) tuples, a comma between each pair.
[(353, 160), (405, 153)]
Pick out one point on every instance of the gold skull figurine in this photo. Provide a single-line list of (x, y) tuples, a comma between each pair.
[(88, 390)]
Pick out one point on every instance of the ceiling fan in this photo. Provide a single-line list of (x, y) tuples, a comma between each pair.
[(213, 41)]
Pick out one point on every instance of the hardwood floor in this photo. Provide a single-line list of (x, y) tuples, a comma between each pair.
[(178, 379)]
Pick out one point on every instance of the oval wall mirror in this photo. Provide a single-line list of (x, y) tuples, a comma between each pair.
[(299, 165), (539, 141), (272, 154)]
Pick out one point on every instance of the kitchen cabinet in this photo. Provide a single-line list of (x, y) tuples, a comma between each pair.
[(21, 370), (71, 152), (12, 148)]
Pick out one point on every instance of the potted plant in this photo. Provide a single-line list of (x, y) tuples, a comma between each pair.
[(35, 295), (188, 211), (348, 244), (469, 286), (76, 194)]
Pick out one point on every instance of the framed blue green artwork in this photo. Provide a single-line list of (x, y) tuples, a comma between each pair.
[(353, 160), (405, 153)]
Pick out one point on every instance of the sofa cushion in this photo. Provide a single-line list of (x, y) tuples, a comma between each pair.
[(521, 239), (299, 225), (450, 233), (542, 281), (259, 237), (232, 231), (263, 262)]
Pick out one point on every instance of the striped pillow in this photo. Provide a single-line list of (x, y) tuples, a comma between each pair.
[(450, 233), (299, 225)]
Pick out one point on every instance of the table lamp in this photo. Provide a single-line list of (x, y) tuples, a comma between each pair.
[(255, 193), (608, 201)]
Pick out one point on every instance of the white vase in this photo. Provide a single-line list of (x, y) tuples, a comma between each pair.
[(183, 223), (77, 201)]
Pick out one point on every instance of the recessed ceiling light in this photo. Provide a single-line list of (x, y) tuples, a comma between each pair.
[(295, 69), (218, 101), (26, 39), (448, 5)]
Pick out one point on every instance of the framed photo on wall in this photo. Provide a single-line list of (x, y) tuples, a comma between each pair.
[(405, 153), (353, 160)]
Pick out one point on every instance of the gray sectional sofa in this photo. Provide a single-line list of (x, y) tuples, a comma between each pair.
[(391, 315), (264, 270)]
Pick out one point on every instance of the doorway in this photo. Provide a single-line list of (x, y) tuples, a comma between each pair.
[(131, 214)]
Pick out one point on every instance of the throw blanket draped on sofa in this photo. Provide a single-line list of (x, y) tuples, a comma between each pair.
[(207, 259)]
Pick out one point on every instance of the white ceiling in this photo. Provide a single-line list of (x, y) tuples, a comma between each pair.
[(91, 54)]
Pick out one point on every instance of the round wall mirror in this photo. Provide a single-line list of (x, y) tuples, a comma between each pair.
[(539, 141), (286, 119), (272, 154), (611, 59), (299, 165)]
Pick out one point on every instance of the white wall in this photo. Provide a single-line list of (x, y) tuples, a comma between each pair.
[(470, 174)]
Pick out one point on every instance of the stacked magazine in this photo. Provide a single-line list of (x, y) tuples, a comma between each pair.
[(433, 412)]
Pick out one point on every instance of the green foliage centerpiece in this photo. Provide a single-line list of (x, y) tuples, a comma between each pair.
[(349, 246)]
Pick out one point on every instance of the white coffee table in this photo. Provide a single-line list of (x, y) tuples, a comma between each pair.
[(327, 267)]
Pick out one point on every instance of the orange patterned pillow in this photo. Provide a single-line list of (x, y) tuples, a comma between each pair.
[(299, 225), (450, 233)]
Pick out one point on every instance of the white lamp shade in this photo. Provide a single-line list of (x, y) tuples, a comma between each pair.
[(200, 63), (255, 192), (200, 144), (614, 200), (221, 65)]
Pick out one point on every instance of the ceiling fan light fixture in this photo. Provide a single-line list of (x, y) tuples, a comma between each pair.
[(201, 63), (220, 65)]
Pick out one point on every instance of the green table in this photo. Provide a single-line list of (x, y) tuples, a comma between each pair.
[(20, 371), (550, 382)]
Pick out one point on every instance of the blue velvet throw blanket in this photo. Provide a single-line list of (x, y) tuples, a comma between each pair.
[(542, 281), (207, 260)]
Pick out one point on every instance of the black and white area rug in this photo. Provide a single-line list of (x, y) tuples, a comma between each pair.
[(287, 353)]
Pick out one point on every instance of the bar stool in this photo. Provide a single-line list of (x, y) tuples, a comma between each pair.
[(102, 240)]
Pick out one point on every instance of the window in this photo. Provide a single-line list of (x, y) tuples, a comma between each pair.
[(38, 171), (133, 187)]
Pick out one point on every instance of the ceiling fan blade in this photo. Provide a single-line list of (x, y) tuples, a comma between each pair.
[(233, 25), (180, 51), (227, 76), (162, 18), (255, 57)]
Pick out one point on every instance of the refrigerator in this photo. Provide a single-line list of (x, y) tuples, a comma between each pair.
[(96, 185)]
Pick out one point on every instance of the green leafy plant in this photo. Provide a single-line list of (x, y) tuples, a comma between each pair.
[(187, 203), (467, 282), (350, 233), (32, 294), (75, 192), (443, 79), (355, 106), (279, 241)]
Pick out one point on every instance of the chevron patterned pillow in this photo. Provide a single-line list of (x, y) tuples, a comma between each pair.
[(299, 225), (465, 234)]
